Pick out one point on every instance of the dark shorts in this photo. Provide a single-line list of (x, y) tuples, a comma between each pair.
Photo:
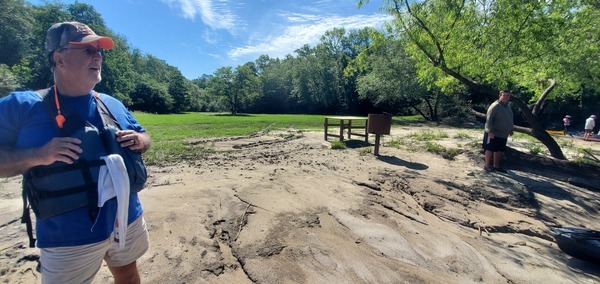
[(589, 130), (494, 145)]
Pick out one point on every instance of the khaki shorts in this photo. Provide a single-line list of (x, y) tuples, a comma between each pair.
[(79, 264)]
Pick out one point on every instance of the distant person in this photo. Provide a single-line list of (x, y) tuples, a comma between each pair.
[(590, 123), (58, 139), (498, 126), (567, 123)]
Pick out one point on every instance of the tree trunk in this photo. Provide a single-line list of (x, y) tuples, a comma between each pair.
[(537, 130)]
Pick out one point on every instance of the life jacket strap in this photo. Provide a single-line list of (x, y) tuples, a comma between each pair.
[(44, 171), (26, 219), (58, 193)]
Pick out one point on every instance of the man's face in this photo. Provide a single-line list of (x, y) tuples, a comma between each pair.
[(80, 64), (505, 97)]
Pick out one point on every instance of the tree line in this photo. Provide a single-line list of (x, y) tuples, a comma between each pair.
[(441, 59)]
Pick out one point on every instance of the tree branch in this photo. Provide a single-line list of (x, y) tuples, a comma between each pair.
[(421, 24), (538, 105)]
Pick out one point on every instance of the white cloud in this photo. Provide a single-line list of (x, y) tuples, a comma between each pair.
[(304, 29), (215, 15), (300, 18)]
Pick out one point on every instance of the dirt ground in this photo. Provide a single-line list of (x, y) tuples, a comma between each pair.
[(285, 208)]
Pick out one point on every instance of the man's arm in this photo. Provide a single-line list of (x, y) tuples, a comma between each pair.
[(16, 161), (489, 120)]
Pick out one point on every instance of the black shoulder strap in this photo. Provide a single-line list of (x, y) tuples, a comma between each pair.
[(26, 219), (107, 117)]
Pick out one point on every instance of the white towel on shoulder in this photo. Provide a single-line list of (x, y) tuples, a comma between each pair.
[(113, 180)]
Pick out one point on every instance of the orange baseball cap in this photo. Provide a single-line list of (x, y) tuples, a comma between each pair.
[(61, 34)]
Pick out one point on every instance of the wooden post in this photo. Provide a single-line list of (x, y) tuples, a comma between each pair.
[(376, 151), (366, 132), (325, 125), (349, 129), (341, 130)]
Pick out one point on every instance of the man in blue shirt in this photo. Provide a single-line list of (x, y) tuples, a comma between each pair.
[(73, 244)]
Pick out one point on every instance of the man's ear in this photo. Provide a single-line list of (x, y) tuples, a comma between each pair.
[(58, 60)]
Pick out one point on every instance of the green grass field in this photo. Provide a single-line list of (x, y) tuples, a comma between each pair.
[(201, 125), (170, 133)]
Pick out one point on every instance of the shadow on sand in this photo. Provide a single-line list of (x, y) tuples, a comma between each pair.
[(399, 162)]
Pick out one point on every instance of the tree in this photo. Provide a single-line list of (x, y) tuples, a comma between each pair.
[(247, 86), (492, 45), (8, 81), (221, 85), (275, 83), (179, 88), (151, 96), (15, 34), (118, 76), (388, 78)]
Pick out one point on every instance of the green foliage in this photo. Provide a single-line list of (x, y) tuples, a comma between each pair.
[(586, 156), (535, 149), (446, 153), (8, 81), (524, 136), (338, 145), (388, 78), (504, 43), (15, 33), (151, 96)]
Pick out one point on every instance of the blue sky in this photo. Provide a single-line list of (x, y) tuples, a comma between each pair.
[(199, 36)]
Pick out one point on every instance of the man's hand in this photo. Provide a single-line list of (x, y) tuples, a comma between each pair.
[(133, 140), (491, 135), (59, 149)]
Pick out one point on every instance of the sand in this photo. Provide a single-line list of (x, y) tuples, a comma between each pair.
[(283, 207)]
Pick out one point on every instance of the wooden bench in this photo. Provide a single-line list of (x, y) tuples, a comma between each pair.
[(344, 123)]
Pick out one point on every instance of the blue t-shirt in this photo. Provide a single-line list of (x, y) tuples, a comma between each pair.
[(26, 123)]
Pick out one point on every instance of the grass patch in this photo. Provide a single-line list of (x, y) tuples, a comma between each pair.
[(169, 127), (405, 143), (585, 156), (566, 144), (171, 132), (365, 151), (535, 149), (446, 153), (462, 135), (425, 136), (338, 145), (527, 137)]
